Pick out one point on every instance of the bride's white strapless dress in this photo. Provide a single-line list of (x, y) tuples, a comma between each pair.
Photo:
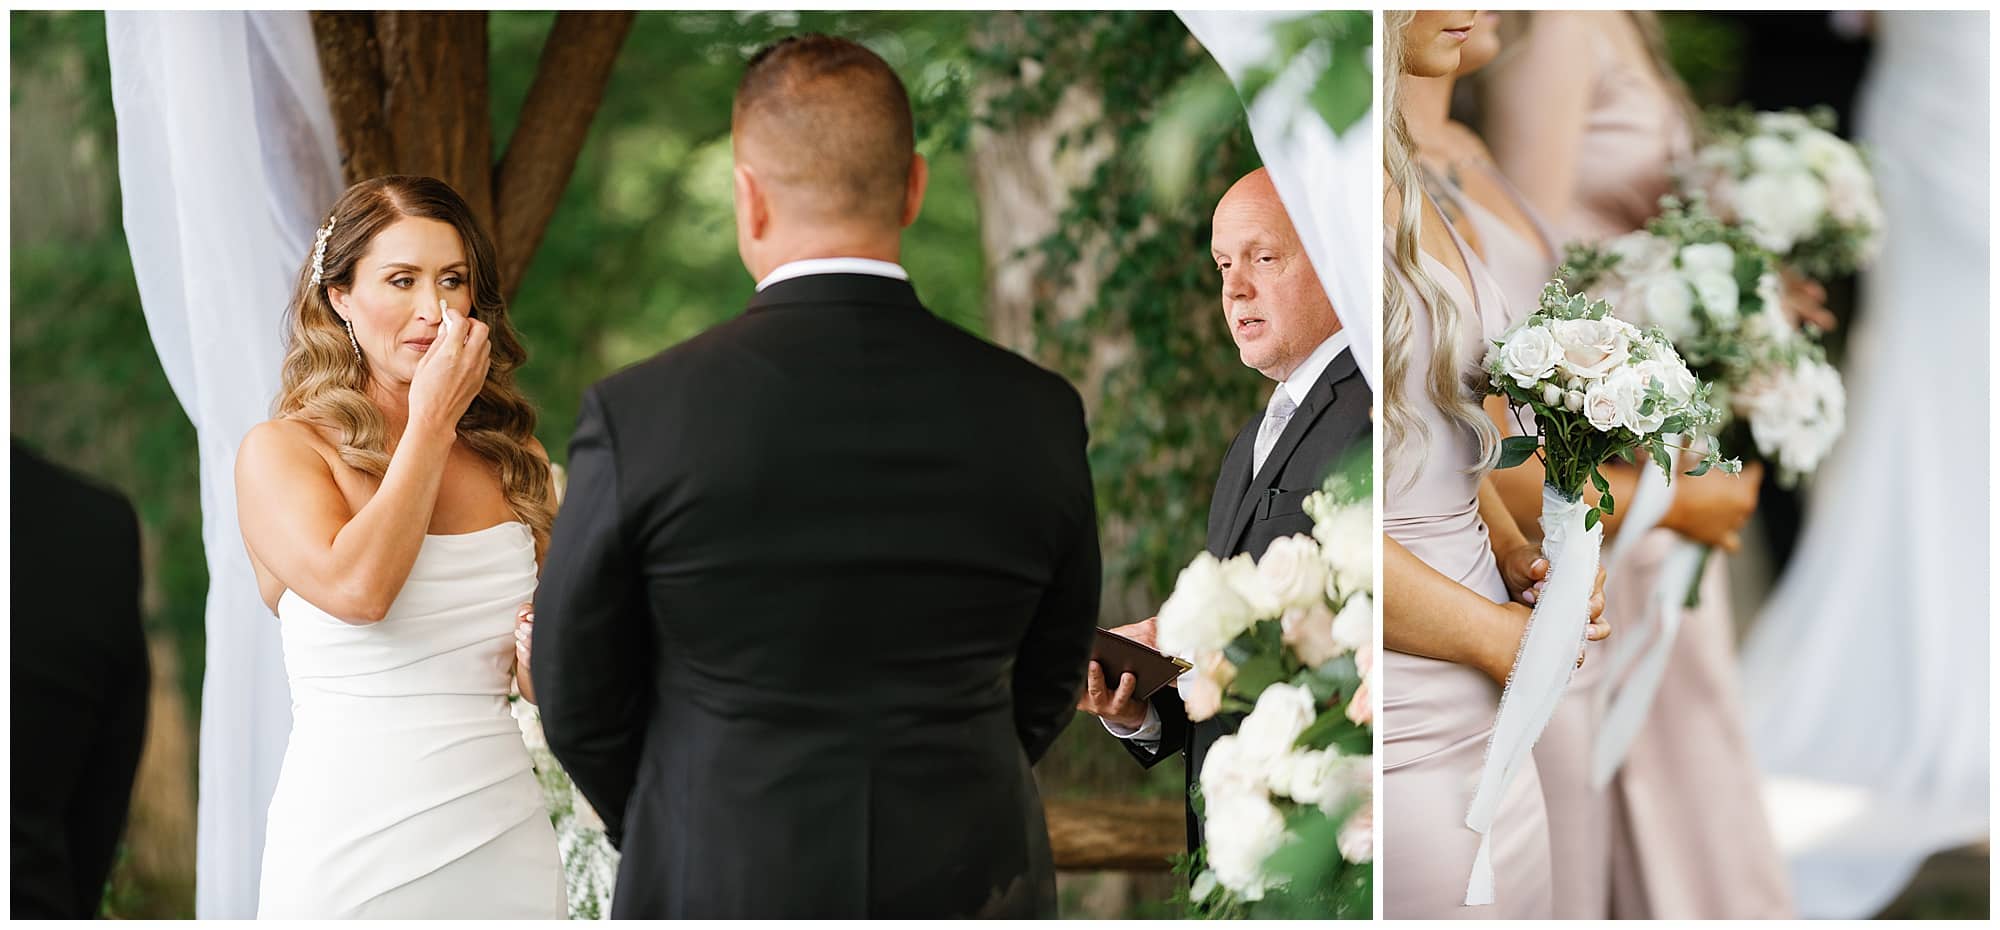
[(406, 789)]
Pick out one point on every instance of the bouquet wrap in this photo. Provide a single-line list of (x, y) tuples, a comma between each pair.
[(1542, 668)]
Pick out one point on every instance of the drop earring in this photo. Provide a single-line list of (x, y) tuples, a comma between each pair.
[(349, 324)]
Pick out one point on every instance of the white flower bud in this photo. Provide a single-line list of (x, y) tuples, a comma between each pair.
[(1573, 401)]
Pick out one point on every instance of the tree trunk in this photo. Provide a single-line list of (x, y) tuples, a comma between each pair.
[(350, 64), (409, 95), (569, 83), (434, 98), (1022, 175)]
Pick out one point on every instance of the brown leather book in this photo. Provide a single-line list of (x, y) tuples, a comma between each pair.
[(1149, 667)]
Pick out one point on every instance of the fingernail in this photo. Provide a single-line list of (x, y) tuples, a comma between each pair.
[(1528, 596)]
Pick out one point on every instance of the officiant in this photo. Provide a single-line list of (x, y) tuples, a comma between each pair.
[(1284, 326)]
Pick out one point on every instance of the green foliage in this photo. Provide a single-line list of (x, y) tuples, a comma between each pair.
[(641, 253), (1163, 417), (1707, 52)]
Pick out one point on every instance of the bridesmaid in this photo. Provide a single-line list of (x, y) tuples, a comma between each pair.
[(1452, 556), (1509, 235), (1585, 116)]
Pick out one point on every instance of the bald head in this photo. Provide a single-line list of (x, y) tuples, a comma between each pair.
[(824, 125), (1272, 299)]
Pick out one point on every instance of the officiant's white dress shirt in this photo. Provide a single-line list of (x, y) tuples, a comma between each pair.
[(1299, 385)]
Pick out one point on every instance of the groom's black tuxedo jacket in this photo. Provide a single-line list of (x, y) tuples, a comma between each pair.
[(1249, 512), (822, 589)]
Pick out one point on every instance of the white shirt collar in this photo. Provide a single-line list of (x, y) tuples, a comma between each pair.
[(806, 266), (1307, 374)]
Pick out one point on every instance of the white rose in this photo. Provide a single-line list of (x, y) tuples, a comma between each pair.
[(1573, 401), (1780, 209), (1707, 256), (1600, 407), (1346, 781), (1591, 348), (1205, 613), (1242, 831), (1779, 121), (1850, 192), (1529, 355), (1309, 633), (1552, 395), (1676, 381), (1293, 572), (1718, 294), (1354, 627), (1821, 150), (1212, 674), (1771, 293), (1639, 253), (1772, 154), (1627, 390), (530, 721), (1347, 540), (1669, 304), (1227, 770), (1283, 712), (1240, 571), (1357, 835)]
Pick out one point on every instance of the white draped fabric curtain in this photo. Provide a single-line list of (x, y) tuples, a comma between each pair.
[(227, 162), (1330, 183)]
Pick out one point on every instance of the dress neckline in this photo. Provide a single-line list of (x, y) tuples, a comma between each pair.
[(1469, 287), (478, 532)]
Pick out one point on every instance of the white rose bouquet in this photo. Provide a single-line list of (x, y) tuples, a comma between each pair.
[(1289, 641), (1799, 190), (1714, 292), (1599, 387)]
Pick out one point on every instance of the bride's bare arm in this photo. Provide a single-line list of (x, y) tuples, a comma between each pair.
[(1424, 613), (297, 525), (1537, 98)]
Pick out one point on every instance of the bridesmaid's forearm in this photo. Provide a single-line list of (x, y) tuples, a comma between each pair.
[(1425, 613)]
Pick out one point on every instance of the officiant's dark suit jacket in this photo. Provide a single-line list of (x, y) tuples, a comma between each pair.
[(1249, 511), (823, 588)]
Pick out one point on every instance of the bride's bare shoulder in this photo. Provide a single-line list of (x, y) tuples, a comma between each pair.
[(284, 443)]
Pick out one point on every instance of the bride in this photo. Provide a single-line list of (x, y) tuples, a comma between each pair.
[(395, 512)]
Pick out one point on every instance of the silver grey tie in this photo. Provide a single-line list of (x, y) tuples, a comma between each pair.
[(1276, 416)]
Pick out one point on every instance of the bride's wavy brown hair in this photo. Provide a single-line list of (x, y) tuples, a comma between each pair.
[(323, 383)]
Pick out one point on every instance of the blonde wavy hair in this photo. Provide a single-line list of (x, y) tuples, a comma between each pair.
[(325, 384), (1445, 384)]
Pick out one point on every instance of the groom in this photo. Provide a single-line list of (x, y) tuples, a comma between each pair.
[(824, 583), (1284, 327)]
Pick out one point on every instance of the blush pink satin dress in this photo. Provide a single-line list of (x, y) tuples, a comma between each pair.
[(1437, 716), (1579, 817), (1689, 837)]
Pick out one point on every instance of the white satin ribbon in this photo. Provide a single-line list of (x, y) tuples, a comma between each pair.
[(1634, 698), (1542, 670), (1639, 662)]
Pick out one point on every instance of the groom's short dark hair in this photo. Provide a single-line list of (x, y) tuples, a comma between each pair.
[(829, 120)]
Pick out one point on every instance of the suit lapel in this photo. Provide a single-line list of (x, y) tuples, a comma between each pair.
[(1321, 397), (1230, 487)]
